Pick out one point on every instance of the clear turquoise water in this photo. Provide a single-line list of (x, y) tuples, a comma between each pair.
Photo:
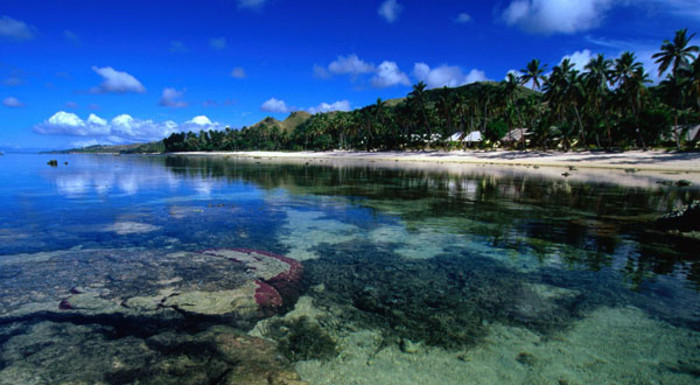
[(379, 239)]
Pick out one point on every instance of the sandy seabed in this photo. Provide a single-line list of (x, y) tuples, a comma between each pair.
[(636, 168)]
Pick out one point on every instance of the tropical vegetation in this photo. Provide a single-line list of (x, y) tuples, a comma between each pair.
[(611, 103)]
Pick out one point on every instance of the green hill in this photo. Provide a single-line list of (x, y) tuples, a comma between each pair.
[(136, 148)]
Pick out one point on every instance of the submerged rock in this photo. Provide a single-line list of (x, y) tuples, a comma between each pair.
[(65, 353), (143, 316), (238, 284), (684, 219)]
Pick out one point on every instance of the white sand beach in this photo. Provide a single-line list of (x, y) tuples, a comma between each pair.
[(630, 168)]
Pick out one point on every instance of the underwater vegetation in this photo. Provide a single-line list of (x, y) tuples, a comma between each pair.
[(301, 339), (450, 300)]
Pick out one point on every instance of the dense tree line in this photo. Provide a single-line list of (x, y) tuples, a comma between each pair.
[(608, 104)]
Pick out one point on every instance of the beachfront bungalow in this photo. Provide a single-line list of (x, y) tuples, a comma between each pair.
[(687, 133), (472, 137), (468, 139), (683, 134), (515, 135)]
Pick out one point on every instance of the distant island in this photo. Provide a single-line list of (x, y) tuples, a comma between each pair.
[(607, 105)]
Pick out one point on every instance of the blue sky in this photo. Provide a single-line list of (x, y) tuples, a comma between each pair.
[(79, 73)]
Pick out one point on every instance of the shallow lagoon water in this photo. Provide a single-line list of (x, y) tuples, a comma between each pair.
[(411, 276)]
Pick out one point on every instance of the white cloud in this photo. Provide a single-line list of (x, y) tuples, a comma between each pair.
[(238, 73), (321, 72), (556, 16), (116, 82), (96, 121), (390, 10), (67, 123), (463, 18), (341, 105), (12, 102), (121, 129), (218, 43), (474, 76), (169, 98), (199, 120), (388, 75), (275, 105), (579, 59), (251, 4), (72, 37), (16, 30), (450, 76), (177, 46), (350, 65)]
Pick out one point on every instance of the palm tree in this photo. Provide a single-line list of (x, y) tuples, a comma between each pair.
[(563, 91), (510, 88), (418, 94), (444, 107), (597, 78), (631, 80), (533, 72), (677, 53), (694, 75)]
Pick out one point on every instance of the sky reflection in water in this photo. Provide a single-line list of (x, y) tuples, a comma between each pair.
[(529, 222)]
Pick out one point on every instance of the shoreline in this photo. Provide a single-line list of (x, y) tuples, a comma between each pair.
[(652, 160), (631, 167)]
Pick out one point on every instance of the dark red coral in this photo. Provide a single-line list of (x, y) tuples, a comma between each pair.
[(267, 296), (286, 283)]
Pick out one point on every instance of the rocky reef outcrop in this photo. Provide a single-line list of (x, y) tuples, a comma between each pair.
[(123, 316), (240, 284)]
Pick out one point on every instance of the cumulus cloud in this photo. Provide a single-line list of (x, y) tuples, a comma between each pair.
[(72, 37), (463, 18), (556, 16), (116, 82), (12, 102), (579, 59), (450, 76), (177, 46), (275, 105), (388, 75), (68, 123), (341, 105), (121, 129), (170, 98), (238, 73), (218, 43), (16, 30), (390, 10), (251, 4), (350, 65)]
